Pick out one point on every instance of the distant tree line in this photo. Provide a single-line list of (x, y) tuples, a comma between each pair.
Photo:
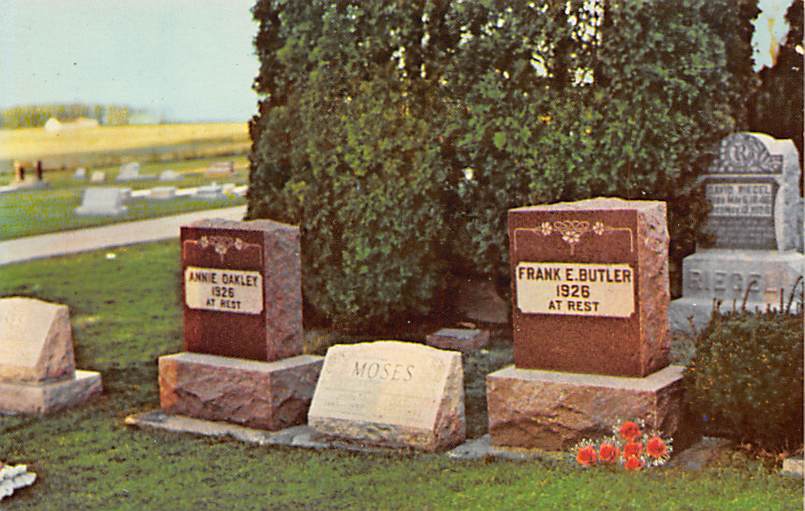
[(31, 116)]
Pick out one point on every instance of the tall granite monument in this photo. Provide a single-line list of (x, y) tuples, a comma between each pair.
[(243, 360), (755, 257), (590, 299)]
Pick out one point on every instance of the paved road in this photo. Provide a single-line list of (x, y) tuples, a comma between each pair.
[(107, 236)]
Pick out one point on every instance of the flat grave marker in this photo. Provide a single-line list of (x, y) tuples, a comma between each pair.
[(37, 365), (392, 394), (102, 201)]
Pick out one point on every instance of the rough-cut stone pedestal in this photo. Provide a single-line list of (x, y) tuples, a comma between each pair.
[(264, 395), (49, 396), (553, 410)]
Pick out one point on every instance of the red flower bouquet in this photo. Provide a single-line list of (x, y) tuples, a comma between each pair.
[(631, 446)]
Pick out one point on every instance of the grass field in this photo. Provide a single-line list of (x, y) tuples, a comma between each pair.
[(126, 312), (31, 212), (110, 145)]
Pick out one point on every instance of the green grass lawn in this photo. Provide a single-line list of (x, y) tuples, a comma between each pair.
[(30, 212), (126, 312)]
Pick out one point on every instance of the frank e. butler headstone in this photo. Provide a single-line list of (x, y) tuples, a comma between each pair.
[(243, 359), (754, 258), (590, 326)]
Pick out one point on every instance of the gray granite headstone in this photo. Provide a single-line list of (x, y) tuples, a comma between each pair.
[(755, 257), (753, 191), (102, 201)]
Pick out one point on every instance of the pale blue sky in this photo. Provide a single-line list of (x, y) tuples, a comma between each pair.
[(188, 60)]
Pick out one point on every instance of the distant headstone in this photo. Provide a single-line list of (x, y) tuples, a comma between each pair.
[(242, 328), (37, 366), (80, 173), (228, 188), (170, 175), (212, 191), (755, 220), (102, 201), (162, 193), (465, 340), (590, 326), (392, 394), (97, 177), (221, 168), (129, 172)]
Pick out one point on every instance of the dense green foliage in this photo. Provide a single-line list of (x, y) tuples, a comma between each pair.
[(31, 116), (747, 378), (398, 134), (127, 311)]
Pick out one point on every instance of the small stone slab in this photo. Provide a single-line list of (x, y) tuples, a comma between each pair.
[(792, 467), (264, 395), (97, 177), (391, 394), (465, 340), (162, 193), (221, 168), (50, 396), (170, 175), (36, 341), (554, 410), (212, 191), (80, 173), (102, 201)]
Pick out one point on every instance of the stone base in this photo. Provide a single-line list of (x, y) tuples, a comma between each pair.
[(465, 340), (49, 396), (264, 395), (725, 275), (552, 410)]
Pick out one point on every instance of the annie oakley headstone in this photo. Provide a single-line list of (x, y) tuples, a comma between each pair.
[(755, 221), (590, 293), (243, 327)]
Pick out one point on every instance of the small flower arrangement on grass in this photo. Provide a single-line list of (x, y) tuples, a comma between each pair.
[(630, 445), (14, 477)]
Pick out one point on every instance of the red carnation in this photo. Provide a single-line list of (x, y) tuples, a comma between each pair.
[(608, 453), (586, 456), (632, 449), (633, 463), (656, 447), (629, 430)]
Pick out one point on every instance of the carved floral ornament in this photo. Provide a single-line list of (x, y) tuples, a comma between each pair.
[(572, 231), (222, 244), (743, 153)]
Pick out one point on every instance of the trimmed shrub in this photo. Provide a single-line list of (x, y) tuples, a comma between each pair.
[(746, 378), (397, 134)]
